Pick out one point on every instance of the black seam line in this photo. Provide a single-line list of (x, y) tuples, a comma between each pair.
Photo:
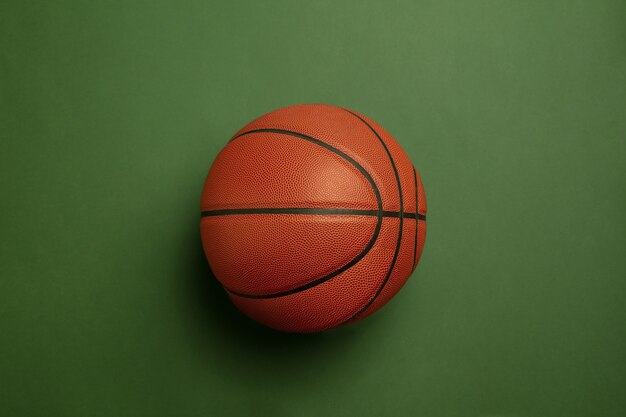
[(416, 223), (354, 260), (312, 211), (397, 251)]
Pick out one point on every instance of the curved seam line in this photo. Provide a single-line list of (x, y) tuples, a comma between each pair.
[(357, 258), (417, 222), (397, 251)]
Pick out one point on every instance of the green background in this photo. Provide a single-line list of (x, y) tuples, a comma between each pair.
[(111, 113)]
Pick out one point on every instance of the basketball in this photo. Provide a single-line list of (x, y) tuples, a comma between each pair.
[(312, 217)]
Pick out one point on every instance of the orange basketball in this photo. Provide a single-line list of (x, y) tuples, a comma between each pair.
[(312, 217)]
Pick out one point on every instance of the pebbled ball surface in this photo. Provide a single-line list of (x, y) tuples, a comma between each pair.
[(312, 217)]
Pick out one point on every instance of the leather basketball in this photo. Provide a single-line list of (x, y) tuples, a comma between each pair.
[(312, 217)]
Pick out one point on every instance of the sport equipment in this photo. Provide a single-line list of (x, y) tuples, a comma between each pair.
[(312, 217)]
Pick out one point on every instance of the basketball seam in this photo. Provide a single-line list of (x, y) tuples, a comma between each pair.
[(357, 258), (397, 250), (308, 211), (416, 222)]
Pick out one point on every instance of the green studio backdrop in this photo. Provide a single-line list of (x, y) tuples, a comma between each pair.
[(111, 113)]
